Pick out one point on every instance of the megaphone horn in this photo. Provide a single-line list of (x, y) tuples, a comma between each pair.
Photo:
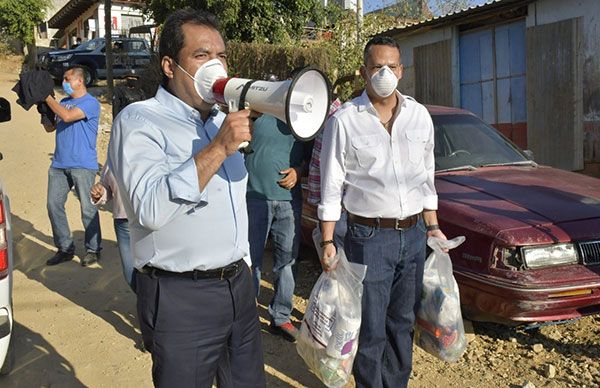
[(302, 102)]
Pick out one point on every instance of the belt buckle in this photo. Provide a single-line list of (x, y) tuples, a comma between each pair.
[(397, 226)]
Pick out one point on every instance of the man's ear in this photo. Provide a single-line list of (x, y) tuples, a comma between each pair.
[(363, 72), (167, 66), (81, 82), (401, 72)]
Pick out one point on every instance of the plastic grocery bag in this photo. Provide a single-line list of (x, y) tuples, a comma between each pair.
[(439, 327), (328, 337)]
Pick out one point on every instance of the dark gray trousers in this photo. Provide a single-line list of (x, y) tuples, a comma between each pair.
[(198, 329)]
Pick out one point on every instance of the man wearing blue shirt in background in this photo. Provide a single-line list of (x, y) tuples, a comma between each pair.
[(74, 164), (183, 184)]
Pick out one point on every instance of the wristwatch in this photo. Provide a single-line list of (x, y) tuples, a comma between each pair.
[(432, 227)]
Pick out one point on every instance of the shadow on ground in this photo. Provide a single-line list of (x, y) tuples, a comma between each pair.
[(37, 361), (100, 288)]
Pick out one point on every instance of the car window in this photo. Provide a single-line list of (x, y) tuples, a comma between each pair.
[(118, 47), (89, 45), (462, 139), (136, 45)]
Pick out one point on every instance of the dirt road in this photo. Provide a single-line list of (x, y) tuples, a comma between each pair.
[(75, 326)]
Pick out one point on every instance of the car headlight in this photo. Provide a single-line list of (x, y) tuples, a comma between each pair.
[(556, 254), (62, 58)]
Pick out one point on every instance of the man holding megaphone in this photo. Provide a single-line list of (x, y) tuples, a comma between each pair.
[(183, 185)]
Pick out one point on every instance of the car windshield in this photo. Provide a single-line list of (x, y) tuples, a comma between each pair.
[(464, 141), (90, 45)]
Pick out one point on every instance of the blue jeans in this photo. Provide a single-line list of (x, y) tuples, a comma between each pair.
[(282, 220), (123, 242), (60, 182), (392, 289)]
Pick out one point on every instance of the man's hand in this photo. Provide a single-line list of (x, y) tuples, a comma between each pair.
[(66, 115), (437, 233), (97, 191), (290, 177), (236, 129), (328, 262)]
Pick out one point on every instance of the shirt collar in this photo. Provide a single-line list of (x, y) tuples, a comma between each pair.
[(363, 102), (178, 107)]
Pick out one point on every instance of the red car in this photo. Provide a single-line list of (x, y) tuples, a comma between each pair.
[(532, 252)]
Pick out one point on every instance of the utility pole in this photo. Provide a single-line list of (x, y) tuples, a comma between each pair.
[(108, 46), (359, 20)]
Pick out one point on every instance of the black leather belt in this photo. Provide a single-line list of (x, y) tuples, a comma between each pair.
[(217, 273), (392, 223)]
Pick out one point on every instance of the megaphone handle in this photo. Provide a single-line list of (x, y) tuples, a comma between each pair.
[(245, 146), (233, 107)]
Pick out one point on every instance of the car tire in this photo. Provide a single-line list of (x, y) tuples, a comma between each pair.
[(89, 75)]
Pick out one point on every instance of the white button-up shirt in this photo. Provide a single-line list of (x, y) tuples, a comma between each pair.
[(175, 226), (372, 173)]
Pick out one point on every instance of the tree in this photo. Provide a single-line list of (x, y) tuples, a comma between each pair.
[(412, 10), (264, 21), (443, 7), (19, 18)]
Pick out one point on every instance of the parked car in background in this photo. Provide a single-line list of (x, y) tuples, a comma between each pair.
[(532, 252), (129, 55), (6, 266)]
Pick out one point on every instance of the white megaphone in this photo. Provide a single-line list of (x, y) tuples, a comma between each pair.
[(302, 102)]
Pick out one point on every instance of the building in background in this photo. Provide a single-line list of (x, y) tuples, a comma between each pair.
[(84, 19), (529, 67)]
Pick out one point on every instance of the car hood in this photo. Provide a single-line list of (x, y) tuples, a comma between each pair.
[(66, 52), (503, 198)]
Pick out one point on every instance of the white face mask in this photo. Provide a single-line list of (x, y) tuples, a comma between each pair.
[(384, 82), (205, 77)]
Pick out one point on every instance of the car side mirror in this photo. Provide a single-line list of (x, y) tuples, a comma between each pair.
[(4, 110), (529, 154)]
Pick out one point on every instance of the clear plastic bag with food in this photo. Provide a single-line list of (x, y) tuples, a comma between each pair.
[(328, 338), (439, 327)]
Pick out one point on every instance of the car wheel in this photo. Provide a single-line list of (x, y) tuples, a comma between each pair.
[(89, 76)]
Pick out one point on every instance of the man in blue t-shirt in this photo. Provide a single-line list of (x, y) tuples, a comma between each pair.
[(274, 202), (74, 164)]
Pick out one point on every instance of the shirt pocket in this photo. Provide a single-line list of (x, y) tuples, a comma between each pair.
[(367, 149), (417, 140)]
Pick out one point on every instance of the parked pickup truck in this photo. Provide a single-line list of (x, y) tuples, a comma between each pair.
[(129, 54)]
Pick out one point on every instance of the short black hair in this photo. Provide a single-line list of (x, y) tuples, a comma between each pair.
[(380, 41), (171, 37), (77, 70)]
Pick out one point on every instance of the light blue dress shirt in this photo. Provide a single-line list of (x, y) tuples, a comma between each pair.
[(173, 225)]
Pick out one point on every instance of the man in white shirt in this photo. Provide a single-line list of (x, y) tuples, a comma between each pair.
[(377, 161)]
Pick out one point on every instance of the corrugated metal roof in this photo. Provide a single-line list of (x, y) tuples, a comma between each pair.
[(462, 10), (442, 19)]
